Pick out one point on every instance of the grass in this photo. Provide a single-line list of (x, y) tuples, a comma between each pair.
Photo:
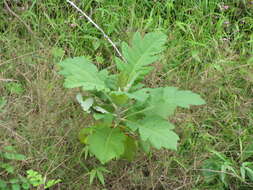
[(209, 51)]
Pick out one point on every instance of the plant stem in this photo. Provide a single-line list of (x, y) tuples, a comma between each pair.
[(100, 29)]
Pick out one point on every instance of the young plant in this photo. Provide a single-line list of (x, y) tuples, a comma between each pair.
[(8, 155), (36, 180), (223, 169), (16, 181), (128, 115)]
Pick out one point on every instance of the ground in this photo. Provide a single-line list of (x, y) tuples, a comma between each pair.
[(209, 51)]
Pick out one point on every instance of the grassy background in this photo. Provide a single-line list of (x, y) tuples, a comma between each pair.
[(209, 51)]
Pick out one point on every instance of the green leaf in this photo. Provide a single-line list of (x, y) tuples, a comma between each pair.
[(108, 119), (9, 149), (52, 182), (9, 168), (158, 132), (101, 177), (140, 95), (106, 143), (249, 173), (80, 72), (164, 101), (248, 167), (145, 146), (14, 180), (130, 149), (92, 175), (26, 186), (183, 98), (223, 174), (14, 156), (98, 116), (132, 125), (3, 184), (35, 178), (209, 167), (15, 187), (247, 152), (242, 171), (142, 53), (119, 98)]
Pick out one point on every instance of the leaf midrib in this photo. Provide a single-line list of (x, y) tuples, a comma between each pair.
[(137, 64)]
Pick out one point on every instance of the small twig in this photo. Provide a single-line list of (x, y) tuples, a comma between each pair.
[(100, 29), (7, 80), (22, 21), (20, 57)]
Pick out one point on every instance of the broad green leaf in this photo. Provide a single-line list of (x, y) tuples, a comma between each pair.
[(145, 146), (142, 53), (106, 143), (85, 104), (80, 72), (13, 156), (164, 101), (132, 125), (15, 187), (158, 132), (98, 116), (182, 98), (108, 119), (119, 98), (130, 149), (122, 97), (140, 95)]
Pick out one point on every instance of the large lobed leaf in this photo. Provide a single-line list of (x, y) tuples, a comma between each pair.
[(106, 143), (142, 53), (158, 132), (163, 101), (80, 72)]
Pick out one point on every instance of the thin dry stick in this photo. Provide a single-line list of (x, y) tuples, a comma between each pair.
[(20, 57), (100, 29), (23, 22), (7, 80)]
